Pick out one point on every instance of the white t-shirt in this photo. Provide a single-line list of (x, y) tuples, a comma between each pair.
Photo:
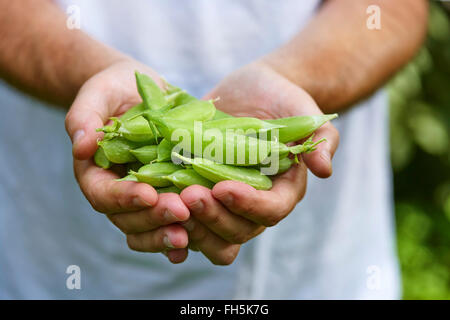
[(337, 243)]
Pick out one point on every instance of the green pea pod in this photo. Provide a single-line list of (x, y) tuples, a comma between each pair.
[(221, 115), (129, 177), (296, 128), (200, 110), (155, 173), (145, 154), (117, 150), (217, 172), (243, 123), (284, 165), (230, 149), (152, 96), (133, 111), (171, 189), (136, 129), (164, 151), (183, 98), (188, 177), (170, 88), (135, 166), (101, 160), (175, 96)]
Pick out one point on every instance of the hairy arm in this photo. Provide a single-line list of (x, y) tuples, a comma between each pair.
[(41, 56), (339, 61)]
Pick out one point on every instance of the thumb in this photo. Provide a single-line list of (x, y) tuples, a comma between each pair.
[(319, 161), (89, 111)]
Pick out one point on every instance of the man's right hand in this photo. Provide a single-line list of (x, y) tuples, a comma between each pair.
[(147, 219)]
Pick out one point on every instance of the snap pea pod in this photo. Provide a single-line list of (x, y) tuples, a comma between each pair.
[(243, 123), (217, 172), (299, 127), (284, 165), (200, 110), (221, 115), (135, 166), (188, 177), (153, 97), (170, 88), (145, 154), (133, 111), (155, 173), (101, 160), (135, 129), (230, 149), (129, 177), (182, 96), (117, 150), (164, 151), (171, 189)]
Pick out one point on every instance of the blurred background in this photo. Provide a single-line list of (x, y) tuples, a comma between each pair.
[(420, 153)]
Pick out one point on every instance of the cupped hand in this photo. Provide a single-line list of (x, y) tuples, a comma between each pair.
[(148, 220), (233, 212)]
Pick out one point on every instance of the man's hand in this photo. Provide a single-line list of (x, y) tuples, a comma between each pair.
[(233, 212), (148, 221)]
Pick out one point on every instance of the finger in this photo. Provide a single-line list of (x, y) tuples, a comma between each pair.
[(213, 215), (109, 196), (172, 236), (319, 161), (169, 209), (217, 250), (177, 255), (89, 111), (264, 207)]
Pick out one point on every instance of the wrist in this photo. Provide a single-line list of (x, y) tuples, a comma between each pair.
[(312, 73)]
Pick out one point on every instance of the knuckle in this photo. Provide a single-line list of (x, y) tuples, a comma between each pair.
[(271, 220), (67, 121), (132, 243), (226, 257), (238, 237), (147, 218), (249, 207), (198, 235), (211, 217), (117, 220)]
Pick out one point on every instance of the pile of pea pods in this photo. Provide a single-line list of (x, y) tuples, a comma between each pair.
[(142, 140)]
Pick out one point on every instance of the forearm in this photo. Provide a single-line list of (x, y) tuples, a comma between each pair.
[(339, 61), (40, 55)]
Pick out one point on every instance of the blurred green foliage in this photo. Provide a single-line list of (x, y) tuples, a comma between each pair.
[(420, 153)]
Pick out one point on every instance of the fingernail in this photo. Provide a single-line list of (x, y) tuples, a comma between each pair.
[(77, 136), (325, 155), (167, 242), (197, 206), (139, 202), (169, 216), (189, 225), (227, 199)]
